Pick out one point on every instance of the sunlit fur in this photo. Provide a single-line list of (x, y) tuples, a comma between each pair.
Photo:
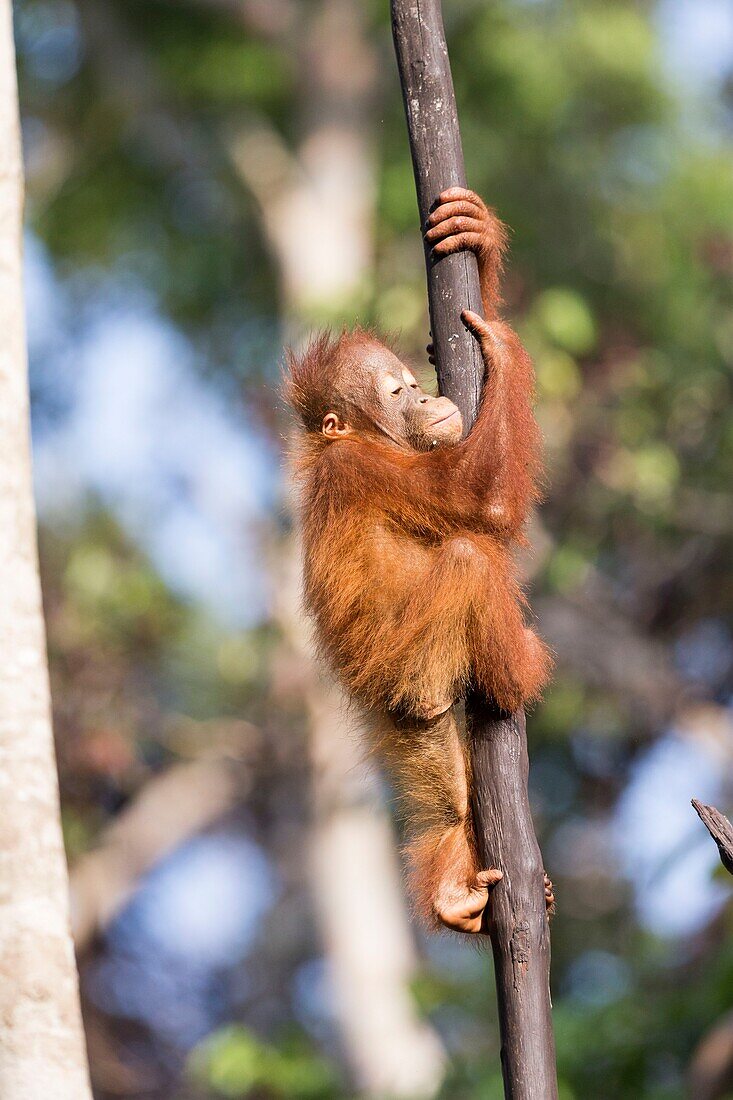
[(409, 576)]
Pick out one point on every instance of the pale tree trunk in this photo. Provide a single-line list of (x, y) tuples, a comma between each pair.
[(361, 906), (42, 1051), (317, 204)]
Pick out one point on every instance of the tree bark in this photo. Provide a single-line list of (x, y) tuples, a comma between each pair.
[(42, 1050), (437, 159), (504, 832), (720, 829)]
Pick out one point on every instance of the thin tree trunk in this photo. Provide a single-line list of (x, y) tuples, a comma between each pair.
[(518, 926), (42, 1051)]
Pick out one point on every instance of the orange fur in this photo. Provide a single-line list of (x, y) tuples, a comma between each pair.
[(408, 559), (409, 575)]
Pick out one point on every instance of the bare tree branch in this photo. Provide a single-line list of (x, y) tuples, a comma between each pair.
[(503, 828), (720, 829)]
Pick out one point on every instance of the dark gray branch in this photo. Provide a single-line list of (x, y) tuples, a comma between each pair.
[(500, 805), (720, 829), (437, 158)]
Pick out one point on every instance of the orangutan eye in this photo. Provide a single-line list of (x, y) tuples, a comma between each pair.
[(392, 384)]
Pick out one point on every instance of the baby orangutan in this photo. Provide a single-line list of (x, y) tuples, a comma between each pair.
[(408, 531)]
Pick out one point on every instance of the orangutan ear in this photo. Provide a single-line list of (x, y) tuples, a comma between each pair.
[(333, 427)]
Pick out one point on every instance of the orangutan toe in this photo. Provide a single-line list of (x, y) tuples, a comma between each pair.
[(549, 895)]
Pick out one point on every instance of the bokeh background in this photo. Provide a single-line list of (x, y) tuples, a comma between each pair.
[(207, 180)]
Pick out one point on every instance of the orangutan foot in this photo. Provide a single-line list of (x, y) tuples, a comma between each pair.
[(460, 906)]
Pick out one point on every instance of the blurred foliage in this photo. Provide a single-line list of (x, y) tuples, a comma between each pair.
[(235, 1063), (130, 664), (620, 282)]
